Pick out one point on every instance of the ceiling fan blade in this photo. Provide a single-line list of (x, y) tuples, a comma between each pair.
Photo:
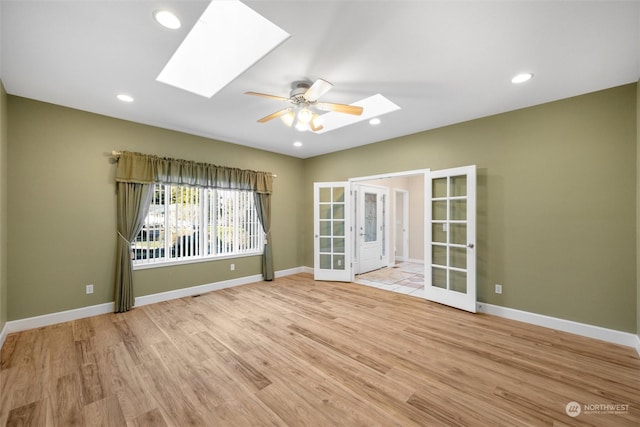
[(339, 108), (317, 89), (264, 95), (274, 115)]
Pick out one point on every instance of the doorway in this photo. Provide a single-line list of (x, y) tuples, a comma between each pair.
[(445, 231), (400, 261)]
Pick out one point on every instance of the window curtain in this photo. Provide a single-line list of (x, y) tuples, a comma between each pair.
[(132, 206), (263, 207), (144, 170)]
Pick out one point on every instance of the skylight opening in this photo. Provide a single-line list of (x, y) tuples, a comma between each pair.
[(228, 38), (374, 107)]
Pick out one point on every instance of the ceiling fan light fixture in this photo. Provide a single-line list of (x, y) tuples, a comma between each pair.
[(317, 120), (305, 115), (288, 118), (302, 127)]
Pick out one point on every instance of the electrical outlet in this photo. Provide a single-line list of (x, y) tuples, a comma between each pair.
[(498, 289), (232, 267), (89, 289)]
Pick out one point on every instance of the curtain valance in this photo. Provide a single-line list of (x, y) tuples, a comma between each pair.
[(148, 169)]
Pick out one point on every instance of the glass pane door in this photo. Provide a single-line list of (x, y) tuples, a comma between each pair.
[(450, 250), (332, 255)]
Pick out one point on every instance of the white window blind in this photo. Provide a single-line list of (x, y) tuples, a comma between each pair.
[(187, 223)]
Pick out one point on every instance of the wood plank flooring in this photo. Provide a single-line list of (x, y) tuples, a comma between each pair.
[(295, 352)]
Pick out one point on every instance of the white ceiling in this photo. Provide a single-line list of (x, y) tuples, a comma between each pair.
[(442, 62)]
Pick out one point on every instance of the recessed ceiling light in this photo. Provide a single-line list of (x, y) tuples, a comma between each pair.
[(297, 144), (521, 78), (374, 121), (228, 38), (125, 98), (167, 19)]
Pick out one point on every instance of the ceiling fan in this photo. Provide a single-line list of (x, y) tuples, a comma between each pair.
[(304, 99)]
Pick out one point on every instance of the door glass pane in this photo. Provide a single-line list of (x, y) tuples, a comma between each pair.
[(338, 245), (370, 217), (458, 186), (458, 257), (325, 244), (325, 261), (458, 210), (325, 195), (439, 188), (338, 211), (439, 278), (325, 211), (438, 233), (439, 210), (338, 195), (458, 281), (325, 228), (458, 234), (338, 228), (338, 262), (439, 255)]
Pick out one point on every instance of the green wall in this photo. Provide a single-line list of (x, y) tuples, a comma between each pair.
[(556, 204), (3, 206), (61, 206), (638, 214), (556, 201)]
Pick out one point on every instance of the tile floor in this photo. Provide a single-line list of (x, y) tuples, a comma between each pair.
[(404, 277)]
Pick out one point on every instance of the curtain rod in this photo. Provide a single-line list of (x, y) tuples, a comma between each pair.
[(116, 155)]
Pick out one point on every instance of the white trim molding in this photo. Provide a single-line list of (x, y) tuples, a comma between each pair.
[(610, 335), (95, 310), (59, 317)]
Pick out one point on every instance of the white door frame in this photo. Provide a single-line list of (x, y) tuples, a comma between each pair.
[(404, 223), (355, 181)]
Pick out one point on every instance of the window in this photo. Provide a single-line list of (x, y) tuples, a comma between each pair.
[(189, 223)]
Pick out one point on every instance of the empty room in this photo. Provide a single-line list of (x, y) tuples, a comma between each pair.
[(319, 213)]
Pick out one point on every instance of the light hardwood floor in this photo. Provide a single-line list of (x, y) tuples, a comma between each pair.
[(295, 352)]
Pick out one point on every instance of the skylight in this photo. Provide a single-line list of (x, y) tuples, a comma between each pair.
[(374, 106), (228, 38)]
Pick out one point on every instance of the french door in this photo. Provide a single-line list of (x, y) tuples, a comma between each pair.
[(370, 224), (450, 253), (332, 231), (449, 236)]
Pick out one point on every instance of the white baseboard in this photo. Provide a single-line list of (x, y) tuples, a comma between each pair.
[(610, 335), (95, 310), (195, 290), (59, 317), (638, 343)]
